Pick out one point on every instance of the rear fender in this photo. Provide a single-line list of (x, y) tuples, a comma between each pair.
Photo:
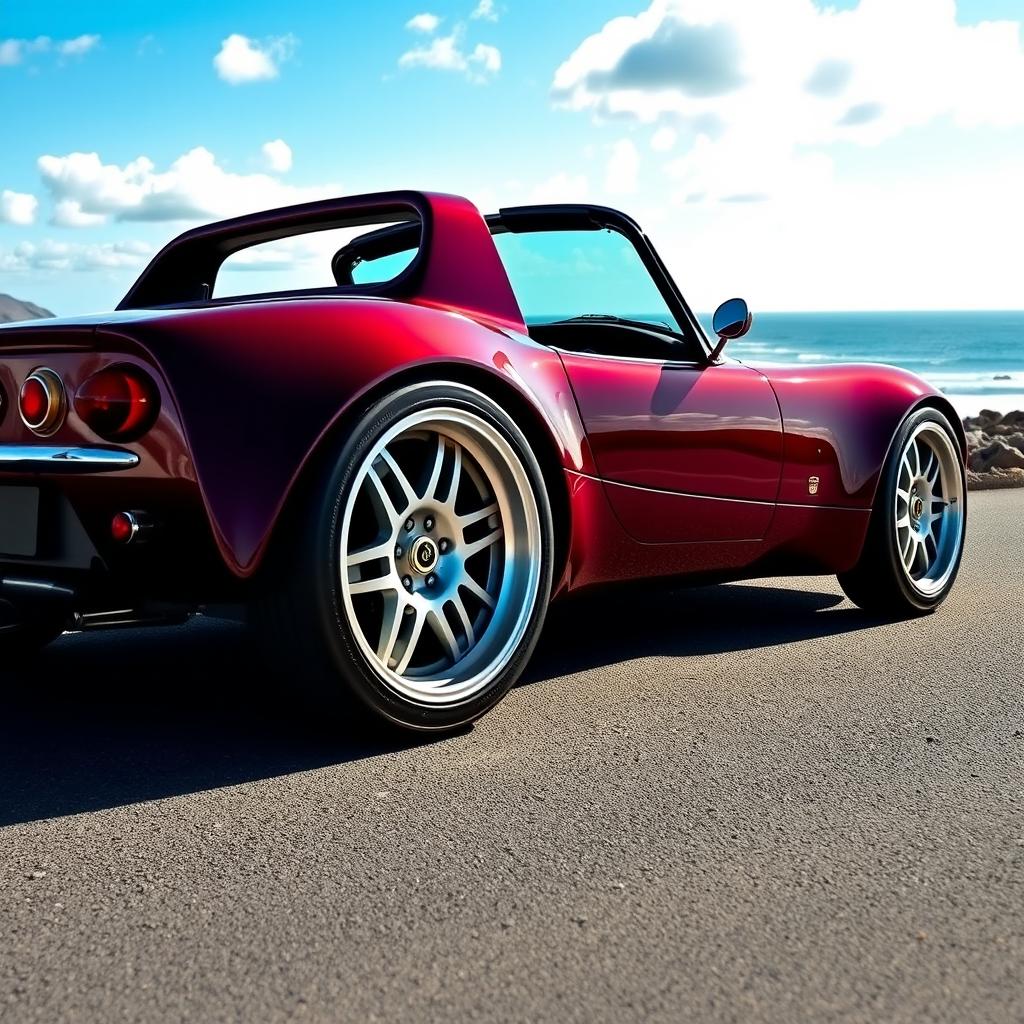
[(261, 387)]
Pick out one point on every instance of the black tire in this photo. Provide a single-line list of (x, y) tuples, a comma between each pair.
[(879, 582), (299, 610)]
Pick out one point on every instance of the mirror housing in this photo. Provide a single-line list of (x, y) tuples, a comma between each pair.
[(732, 320)]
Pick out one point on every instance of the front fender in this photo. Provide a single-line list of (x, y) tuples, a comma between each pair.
[(257, 386), (839, 423)]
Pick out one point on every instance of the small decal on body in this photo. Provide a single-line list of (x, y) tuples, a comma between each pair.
[(812, 484)]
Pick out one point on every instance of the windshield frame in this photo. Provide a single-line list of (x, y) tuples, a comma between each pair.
[(546, 218)]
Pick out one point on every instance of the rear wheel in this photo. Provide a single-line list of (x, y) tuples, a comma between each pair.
[(916, 537), (418, 580)]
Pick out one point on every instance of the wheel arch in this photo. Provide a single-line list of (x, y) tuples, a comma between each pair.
[(526, 415), (940, 404)]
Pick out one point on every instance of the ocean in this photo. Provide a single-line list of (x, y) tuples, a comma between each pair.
[(977, 359)]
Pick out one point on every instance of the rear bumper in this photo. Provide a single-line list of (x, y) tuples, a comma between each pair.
[(63, 459)]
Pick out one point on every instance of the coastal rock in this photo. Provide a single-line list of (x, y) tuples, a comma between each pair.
[(995, 480), (997, 455), (995, 449)]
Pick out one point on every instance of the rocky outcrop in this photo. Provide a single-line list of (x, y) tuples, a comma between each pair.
[(995, 450), (12, 310)]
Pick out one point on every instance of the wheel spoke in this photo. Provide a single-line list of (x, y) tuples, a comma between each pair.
[(474, 517), (908, 550), (358, 563), (903, 521), (394, 611), (408, 493), (435, 469), (411, 642), (373, 586), (903, 496), (453, 485), (930, 549), (370, 554), (443, 631), (379, 495), (476, 546), (916, 462), (467, 626), (931, 475), (476, 590)]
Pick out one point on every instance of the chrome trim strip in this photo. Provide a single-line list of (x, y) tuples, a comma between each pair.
[(712, 497), (53, 459)]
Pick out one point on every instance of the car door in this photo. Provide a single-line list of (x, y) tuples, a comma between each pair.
[(688, 452)]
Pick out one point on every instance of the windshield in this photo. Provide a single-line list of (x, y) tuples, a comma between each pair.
[(559, 275)]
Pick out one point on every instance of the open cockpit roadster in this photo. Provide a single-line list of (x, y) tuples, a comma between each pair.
[(394, 466)]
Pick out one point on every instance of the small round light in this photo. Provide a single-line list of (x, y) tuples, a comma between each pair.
[(120, 403), (42, 402), (123, 527)]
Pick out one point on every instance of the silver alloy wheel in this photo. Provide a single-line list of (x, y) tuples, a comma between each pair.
[(929, 509), (440, 555)]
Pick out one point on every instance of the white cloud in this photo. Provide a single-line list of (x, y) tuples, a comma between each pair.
[(18, 207), (488, 57), (67, 256), (241, 59), (426, 23), (664, 139), (743, 78), (559, 188), (623, 168), (78, 46), (15, 51), (68, 213), (195, 187), (278, 155), (444, 53), (486, 10)]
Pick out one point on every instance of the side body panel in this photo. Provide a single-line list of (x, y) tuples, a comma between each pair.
[(839, 422), (688, 453), (258, 385)]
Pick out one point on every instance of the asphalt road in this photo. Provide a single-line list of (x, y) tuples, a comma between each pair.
[(745, 803)]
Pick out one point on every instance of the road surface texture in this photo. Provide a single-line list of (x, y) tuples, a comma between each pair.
[(742, 803)]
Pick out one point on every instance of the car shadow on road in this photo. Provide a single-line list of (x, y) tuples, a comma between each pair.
[(617, 624), (107, 719)]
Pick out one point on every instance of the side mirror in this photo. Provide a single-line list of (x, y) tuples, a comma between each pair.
[(732, 320)]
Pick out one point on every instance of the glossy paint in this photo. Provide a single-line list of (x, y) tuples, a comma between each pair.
[(698, 446), (839, 422), (658, 469), (261, 385)]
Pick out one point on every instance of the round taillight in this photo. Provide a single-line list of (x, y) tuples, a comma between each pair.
[(119, 403), (42, 402), (123, 527)]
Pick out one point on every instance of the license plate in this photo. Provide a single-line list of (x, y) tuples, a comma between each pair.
[(19, 521)]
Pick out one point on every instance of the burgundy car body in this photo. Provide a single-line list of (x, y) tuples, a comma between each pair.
[(654, 468)]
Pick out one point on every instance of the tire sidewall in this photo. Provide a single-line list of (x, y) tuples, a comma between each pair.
[(344, 651)]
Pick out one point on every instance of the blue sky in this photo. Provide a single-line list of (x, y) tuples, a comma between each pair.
[(851, 155)]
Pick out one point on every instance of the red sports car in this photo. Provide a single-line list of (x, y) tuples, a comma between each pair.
[(394, 466)]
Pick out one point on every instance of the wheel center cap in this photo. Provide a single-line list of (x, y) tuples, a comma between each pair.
[(916, 507), (423, 555)]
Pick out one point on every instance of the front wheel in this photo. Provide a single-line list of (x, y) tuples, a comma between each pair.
[(419, 578), (915, 539)]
